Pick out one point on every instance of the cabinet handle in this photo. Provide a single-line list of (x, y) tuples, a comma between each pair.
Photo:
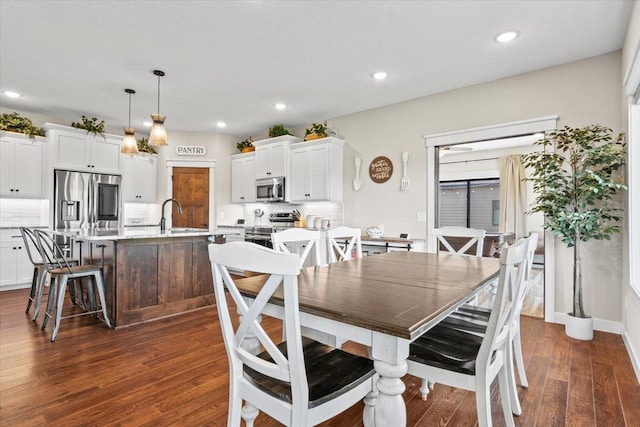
[(12, 189), (17, 189), (242, 198)]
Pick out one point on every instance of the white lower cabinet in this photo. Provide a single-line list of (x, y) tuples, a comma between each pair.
[(243, 178), (16, 270), (139, 178), (316, 170)]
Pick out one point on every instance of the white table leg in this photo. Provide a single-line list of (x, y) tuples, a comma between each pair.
[(251, 343), (389, 355)]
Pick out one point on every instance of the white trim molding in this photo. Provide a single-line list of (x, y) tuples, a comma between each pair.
[(495, 131), (484, 133), (633, 355), (602, 325)]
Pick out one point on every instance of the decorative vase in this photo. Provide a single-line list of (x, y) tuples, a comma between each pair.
[(580, 328), (248, 149)]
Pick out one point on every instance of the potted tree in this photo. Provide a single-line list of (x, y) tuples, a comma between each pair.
[(575, 180)]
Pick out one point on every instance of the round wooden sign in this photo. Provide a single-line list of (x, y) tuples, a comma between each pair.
[(380, 169)]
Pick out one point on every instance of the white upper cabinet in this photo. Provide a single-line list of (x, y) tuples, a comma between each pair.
[(272, 156), (77, 149), (21, 165), (139, 178), (316, 170), (243, 178)]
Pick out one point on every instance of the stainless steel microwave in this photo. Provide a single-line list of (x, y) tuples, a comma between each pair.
[(270, 189)]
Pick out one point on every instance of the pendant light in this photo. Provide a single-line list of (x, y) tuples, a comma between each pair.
[(129, 143), (158, 135)]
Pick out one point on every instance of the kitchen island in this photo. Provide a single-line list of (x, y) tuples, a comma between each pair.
[(148, 273)]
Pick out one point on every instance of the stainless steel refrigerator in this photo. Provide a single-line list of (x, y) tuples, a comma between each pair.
[(86, 200)]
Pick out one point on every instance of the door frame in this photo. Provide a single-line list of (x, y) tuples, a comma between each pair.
[(211, 165), (483, 133)]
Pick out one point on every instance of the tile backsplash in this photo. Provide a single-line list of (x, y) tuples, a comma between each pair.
[(24, 213), (333, 211)]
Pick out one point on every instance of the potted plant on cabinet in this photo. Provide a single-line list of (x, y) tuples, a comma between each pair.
[(144, 147), (317, 130), (574, 187), (278, 130), (91, 125), (14, 122), (246, 145)]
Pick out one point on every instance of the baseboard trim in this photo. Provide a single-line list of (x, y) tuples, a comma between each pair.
[(598, 324), (635, 361), (15, 286)]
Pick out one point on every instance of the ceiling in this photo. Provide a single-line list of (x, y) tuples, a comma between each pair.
[(233, 60)]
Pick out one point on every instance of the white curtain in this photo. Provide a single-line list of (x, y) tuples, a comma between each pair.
[(513, 196)]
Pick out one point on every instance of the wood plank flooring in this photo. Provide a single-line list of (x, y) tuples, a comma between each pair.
[(174, 372)]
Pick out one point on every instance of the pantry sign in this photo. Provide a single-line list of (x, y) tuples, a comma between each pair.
[(191, 150)]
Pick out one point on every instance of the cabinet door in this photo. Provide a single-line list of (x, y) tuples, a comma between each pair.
[(278, 159), (72, 151), (147, 178), (129, 180), (318, 173), (8, 264), (243, 180), (105, 154), (263, 162), (299, 175), (27, 160), (24, 267), (6, 167)]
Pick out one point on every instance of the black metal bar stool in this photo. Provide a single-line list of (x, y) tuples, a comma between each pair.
[(60, 273)]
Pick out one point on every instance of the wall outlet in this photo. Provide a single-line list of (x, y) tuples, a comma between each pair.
[(421, 217)]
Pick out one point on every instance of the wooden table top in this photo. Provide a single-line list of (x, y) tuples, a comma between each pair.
[(396, 293)]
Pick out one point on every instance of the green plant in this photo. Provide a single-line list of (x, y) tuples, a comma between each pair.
[(14, 122), (278, 130), (245, 143), (144, 147), (574, 186), (91, 125), (319, 129)]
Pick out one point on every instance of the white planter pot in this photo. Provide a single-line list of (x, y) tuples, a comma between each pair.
[(579, 328)]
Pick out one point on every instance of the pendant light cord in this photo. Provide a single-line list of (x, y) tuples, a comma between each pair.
[(129, 110), (158, 95)]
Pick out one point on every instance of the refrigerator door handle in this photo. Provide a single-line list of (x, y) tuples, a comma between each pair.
[(92, 201)]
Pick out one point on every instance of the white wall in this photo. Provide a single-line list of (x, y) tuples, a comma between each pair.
[(219, 148), (583, 92), (630, 299)]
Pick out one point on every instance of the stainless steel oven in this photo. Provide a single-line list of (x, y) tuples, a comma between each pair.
[(270, 189)]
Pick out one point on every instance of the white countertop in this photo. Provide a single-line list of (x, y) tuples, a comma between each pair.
[(128, 233)]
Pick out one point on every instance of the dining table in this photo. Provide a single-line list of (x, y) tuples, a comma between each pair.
[(383, 302)]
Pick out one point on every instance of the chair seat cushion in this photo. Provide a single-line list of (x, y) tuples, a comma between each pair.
[(330, 372), (447, 348), (479, 311)]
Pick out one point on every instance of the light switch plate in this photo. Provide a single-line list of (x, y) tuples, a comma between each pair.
[(421, 217)]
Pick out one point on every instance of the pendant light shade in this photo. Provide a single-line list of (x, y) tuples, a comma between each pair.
[(158, 135), (129, 143)]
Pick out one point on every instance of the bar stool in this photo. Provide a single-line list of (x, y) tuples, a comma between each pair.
[(61, 272), (39, 270)]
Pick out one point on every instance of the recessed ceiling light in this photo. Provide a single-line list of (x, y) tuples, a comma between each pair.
[(147, 124), (221, 124), (280, 106), (380, 75), (507, 36), (12, 94)]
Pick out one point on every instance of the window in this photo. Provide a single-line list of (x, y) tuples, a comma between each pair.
[(471, 203)]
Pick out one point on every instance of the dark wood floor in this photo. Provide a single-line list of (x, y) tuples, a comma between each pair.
[(174, 372)]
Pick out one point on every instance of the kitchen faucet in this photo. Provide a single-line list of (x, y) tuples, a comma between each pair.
[(163, 220)]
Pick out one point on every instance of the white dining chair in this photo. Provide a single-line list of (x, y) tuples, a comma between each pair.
[(471, 362), (310, 239), (473, 236), (298, 382), (474, 320), (343, 242)]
